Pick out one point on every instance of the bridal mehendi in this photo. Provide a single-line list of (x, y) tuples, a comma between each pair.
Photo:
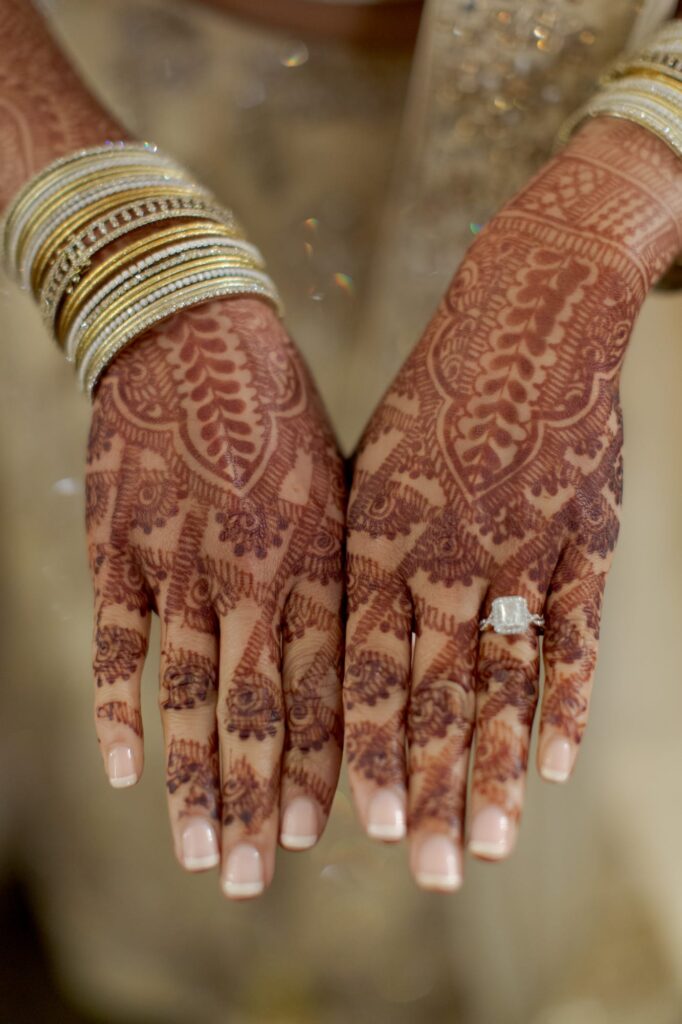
[(493, 467), (215, 497)]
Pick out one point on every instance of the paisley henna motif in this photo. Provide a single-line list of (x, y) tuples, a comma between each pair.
[(493, 466)]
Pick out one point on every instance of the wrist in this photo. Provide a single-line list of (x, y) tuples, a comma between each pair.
[(615, 193)]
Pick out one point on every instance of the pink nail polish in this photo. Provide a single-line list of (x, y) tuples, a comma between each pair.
[(386, 816), (244, 872), (491, 834), (300, 827), (557, 760), (199, 845), (438, 864), (121, 767)]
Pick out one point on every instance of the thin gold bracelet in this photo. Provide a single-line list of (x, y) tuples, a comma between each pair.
[(50, 248), (77, 295), (119, 305)]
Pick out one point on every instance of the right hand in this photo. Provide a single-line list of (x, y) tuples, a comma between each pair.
[(215, 497)]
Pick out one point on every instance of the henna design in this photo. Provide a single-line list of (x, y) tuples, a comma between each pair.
[(120, 712), (45, 111), (372, 676), (196, 766), (435, 707), (493, 466), (118, 653), (253, 707), (374, 751), (213, 486), (247, 796), (188, 679)]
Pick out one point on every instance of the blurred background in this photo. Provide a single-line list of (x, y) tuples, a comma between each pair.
[(363, 168)]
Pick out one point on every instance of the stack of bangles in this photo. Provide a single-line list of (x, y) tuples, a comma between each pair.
[(96, 298), (645, 88)]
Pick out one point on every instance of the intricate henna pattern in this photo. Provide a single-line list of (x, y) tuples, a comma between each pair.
[(215, 496), (45, 111), (119, 653), (122, 713), (247, 796), (188, 679), (194, 768), (493, 466)]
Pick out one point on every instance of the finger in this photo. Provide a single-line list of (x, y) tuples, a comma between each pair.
[(312, 670), (120, 639), (251, 731), (570, 655), (187, 699), (507, 689), (376, 676), (439, 730)]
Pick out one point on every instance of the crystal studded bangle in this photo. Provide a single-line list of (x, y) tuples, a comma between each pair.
[(56, 231)]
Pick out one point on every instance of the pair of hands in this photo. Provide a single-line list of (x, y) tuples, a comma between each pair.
[(215, 497)]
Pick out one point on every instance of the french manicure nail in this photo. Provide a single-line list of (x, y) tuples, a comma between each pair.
[(299, 824), (199, 845), (121, 767), (557, 760), (491, 834), (386, 816), (244, 872), (438, 864)]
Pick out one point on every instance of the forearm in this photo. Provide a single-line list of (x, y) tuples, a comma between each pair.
[(45, 109)]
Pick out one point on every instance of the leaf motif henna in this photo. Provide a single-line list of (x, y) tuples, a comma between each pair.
[(121, 713)]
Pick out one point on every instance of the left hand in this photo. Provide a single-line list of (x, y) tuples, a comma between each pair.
[(492, 468)]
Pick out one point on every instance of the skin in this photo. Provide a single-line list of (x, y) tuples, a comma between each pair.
[(493, 467), (215, 498)]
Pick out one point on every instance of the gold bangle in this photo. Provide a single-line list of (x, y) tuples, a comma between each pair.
[(230, 285), (59, 201), (139, 292), (76, 256), (31, 191), (78, 221), (136, 289), (77, 295)]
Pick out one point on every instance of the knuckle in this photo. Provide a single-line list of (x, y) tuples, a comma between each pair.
[(253, 707)]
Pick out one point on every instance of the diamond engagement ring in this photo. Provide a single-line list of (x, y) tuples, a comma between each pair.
[(511, 615)]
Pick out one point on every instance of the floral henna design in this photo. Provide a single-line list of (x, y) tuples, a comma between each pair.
[(194, 768), (248, 797), (373, 676), (215, 490), (254, 707), (119, 653), (493, 467), (188, 679)]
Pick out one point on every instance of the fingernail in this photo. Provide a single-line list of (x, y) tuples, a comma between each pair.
[(299, 824), (438, 864), (557, 760), (121, 767), (386, 816), (199, 845), (491, 834), (244, 872)]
